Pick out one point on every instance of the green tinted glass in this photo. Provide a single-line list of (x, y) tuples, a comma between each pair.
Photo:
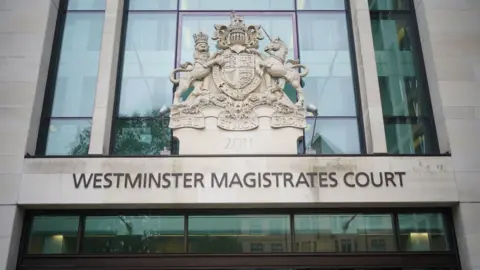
[(134, 234), (423, 232), (140, 136), (389, 4), (344, 233), (53, 235), (238, 234)]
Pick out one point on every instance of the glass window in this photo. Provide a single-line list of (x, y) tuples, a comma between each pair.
[(321, 5), (134, 234), (408, 117), (66, 129), (86, 4), (238, 234), (423, 232), (152, 4), (389, 4), (281, 25), (53, 235), (236, 5), (135, 136), (68, 137), (148, 59), (344, 233), (333, 136), (325, 50)]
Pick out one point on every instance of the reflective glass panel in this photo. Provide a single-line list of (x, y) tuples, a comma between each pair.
[(409, 138), (324, 49), (403, 88), (238, 234), (333, 136), (423, 232), (53, 235), (68, 137), (389, 4), (321, 5), (236, 5), (276, 25), (134, 234), (344, 233), (152, 4), (141, 136), (148, 59), (86, 4), (78, 68)]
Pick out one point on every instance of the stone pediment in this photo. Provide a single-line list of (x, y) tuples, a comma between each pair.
[(236, 84)]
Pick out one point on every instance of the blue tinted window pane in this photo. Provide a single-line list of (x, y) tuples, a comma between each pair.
[(86, 4), (333, 136), (321, 4), (423, 232), (53, 235), (237, 234), (148, 61), (236, 5), (68, 137), (325, 50), (78, 68), (133, 234), (152, 4), (344, 233)]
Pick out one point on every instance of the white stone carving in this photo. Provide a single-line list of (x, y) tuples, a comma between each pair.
[(238, 81)]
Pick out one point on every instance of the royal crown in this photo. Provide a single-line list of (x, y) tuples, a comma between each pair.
[(237, 29), (200, 37)]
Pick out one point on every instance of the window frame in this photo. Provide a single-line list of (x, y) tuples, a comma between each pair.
[(52, 77), (419, 61)]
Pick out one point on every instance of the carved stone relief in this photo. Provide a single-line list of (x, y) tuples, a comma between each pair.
[(238, 80)]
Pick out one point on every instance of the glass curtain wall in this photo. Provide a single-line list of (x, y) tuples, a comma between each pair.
[(408, 117), (70, 94), (158, 38)]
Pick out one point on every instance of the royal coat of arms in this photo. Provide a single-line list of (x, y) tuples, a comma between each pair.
[(237, 79)]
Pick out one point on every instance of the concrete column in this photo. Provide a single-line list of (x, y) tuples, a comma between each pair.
[(368, 78), (107, 76), (451, 45)]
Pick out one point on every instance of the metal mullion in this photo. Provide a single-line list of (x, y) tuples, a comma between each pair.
[(150, 11), (396, 230), (292, 232), (80, 233), (185, 233)]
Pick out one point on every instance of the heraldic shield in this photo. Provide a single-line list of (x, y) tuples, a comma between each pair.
[(236, 77)]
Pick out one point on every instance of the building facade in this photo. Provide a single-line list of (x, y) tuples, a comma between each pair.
[(384, 175)]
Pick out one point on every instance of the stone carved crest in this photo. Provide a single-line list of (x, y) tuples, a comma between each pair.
[(238, 80)]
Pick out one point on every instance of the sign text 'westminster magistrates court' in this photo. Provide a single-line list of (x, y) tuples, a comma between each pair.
[(238, 180)]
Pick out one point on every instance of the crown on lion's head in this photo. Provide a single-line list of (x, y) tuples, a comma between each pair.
[(200, 37)]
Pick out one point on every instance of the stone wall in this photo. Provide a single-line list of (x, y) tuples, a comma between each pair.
[(450, 35)]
